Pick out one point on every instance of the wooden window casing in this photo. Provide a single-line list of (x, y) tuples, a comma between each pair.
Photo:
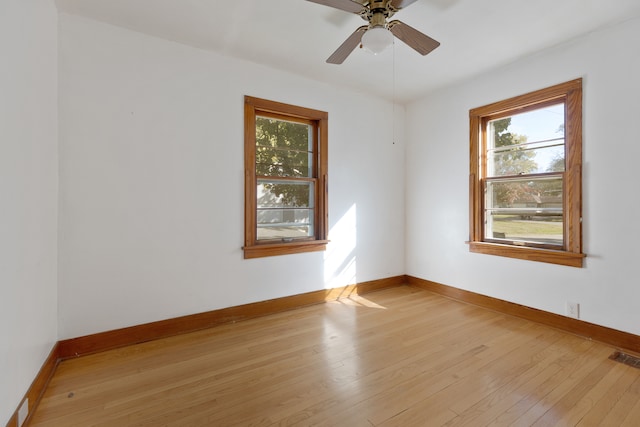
[(318, 121), (570, 253)]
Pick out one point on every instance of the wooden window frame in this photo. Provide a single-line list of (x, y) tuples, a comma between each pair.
[(571, 253), (253, 248)]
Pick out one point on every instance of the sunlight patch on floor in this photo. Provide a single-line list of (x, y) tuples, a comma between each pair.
[(357, 300)]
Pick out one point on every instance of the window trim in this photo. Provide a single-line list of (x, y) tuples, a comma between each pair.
[(252, 247), (571, 253)]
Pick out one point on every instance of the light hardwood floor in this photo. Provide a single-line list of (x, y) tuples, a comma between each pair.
[(398, 357)]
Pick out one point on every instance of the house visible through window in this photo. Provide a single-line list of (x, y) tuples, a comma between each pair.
[(525, 195), (285, 178)]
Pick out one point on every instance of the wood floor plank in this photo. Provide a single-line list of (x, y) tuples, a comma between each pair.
[(560, 385), (568, 406), (471, 384), (624, 403), (495, 403), (602, 407), (574, 352), (594, 396), (396, 357), (380, 389), (633, 416)]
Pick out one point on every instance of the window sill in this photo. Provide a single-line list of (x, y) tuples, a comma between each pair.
[(275, 249), (570, 259)]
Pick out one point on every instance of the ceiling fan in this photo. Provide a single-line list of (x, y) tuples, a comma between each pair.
[(379, 33)]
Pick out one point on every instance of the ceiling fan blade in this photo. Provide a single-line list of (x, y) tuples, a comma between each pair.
[(347, 47), (399, 4), (346, 5), (421, 43)]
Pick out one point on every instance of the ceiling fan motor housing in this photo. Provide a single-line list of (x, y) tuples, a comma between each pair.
[(377, 13)]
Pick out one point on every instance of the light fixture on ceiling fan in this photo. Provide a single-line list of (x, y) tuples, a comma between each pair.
[(376, 39), (379, 33)]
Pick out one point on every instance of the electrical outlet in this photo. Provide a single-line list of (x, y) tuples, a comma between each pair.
[(23, 412), (573, 309)]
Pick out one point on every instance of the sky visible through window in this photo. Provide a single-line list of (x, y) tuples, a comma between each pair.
[(538, 125)]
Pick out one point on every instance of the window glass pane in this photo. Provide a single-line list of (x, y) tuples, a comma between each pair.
[(530, 158), (285, 209), (285, 194), (283, 163), (283, 148), (531, 142), (525, 210), (284, 223)]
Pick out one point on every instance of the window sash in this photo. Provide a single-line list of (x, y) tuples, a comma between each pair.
[(527, 212), (277, 155), (282, 218)]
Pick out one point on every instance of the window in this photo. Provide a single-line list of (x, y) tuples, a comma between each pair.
[(285, 179), (525, 176)]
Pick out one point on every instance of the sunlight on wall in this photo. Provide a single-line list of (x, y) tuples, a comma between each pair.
[(340, 257)]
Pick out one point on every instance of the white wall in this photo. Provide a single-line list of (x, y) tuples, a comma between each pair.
[(151, 178), (28, 190), (437, 183)]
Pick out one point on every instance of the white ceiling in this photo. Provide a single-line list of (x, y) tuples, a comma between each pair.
[(298, 36)]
